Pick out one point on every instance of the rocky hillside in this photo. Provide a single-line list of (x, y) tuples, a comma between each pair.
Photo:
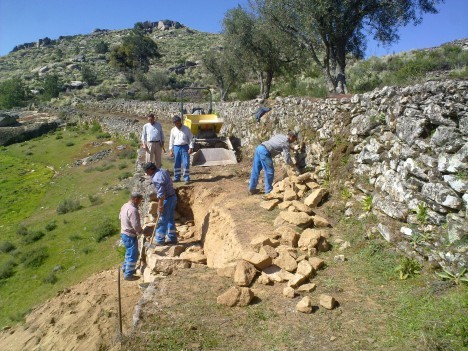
[(180, 47)]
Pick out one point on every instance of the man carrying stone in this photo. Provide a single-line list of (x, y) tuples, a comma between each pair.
[(130, 228), (167, 201), (152, 139), (180, 147), (263, 159)]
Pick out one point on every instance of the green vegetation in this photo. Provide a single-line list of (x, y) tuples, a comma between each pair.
[(35, 238), (12, 93), (367, 203), (68, 205), (408, 268), (457, 278)]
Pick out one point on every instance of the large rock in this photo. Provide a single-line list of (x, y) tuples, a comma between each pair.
[(259, 260), (244, 274), (314, 199), (299, 219), (236, 296), (165, 265), (285, 261), (195, 257), (309, 239), (305, 268), (442, 195), (7, 119)]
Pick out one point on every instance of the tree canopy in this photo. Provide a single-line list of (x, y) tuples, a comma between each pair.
[(331, 29), (257, 44), (134, 53)]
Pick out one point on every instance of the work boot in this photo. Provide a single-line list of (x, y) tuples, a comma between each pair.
[(253, 191), (132, 278)]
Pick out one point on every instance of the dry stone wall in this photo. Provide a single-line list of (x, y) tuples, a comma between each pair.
[(406, 149)]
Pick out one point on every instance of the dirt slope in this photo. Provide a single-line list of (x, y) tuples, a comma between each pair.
[(84, 317)]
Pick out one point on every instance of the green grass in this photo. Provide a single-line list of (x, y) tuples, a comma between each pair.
[(31, 189), (419, 312)]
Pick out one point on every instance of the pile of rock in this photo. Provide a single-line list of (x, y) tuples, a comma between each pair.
[(164, 260), (288, 254)]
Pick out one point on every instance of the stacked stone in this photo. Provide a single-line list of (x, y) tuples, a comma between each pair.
[(288, 255)]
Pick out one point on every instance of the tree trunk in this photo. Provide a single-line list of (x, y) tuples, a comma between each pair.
[(260, 80), (340, 78), (268, 80)]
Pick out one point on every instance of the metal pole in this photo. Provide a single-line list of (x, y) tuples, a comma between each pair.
[(120, 306)]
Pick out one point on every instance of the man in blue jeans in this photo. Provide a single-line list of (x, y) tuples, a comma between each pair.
[(167, 201), (180, 147), (130, 228), (263, 159)]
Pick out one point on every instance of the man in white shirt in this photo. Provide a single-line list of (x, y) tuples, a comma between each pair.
[(180, 147), (152, 140)]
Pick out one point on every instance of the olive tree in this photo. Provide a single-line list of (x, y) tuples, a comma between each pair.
[(331, 29), (257, 45), (224, 69)]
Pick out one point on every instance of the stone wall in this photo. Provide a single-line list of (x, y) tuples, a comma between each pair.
[(405, 149)]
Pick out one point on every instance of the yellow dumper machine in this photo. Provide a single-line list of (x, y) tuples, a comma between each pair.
[(210, 148)]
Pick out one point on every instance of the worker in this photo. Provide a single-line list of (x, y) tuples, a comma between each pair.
[(167, 201), (130, 228), (152, 140), (263, 159), (180, 147)]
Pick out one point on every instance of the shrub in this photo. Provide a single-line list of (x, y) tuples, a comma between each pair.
[(70, 143), (101, 47), (51, 87), (127, 154), (68, 205), (33, 236), (122, 166), (103, 136), (95, 200), (12, 94), (104, 168), (96, 127), (50, 279), (248, 92), (22, 230), (7, 269), (6, 247), (105, 229), (35, 258), (367, 203), (408, 268), (75, 237), (59, 136), (125, 175), (51, 226)]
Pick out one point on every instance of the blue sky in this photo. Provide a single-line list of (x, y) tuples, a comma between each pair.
[(24, 21)]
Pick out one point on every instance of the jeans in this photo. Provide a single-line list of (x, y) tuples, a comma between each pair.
[(181, 156), (166, 224), (131, 254), (262, 160)]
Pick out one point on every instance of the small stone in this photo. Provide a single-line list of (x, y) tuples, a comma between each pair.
[(307, 287), (289, 292), (339, 258), (305, 305), (327, 301)]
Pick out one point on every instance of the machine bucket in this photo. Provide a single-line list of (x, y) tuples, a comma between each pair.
[(214, 157)]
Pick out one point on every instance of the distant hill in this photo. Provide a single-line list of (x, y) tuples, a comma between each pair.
[(182, 49), (180, 46)]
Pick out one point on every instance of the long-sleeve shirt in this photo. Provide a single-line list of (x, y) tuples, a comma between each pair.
[(152, 132), (278, 144), (182, 136), (130, 220), (163, 183)]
